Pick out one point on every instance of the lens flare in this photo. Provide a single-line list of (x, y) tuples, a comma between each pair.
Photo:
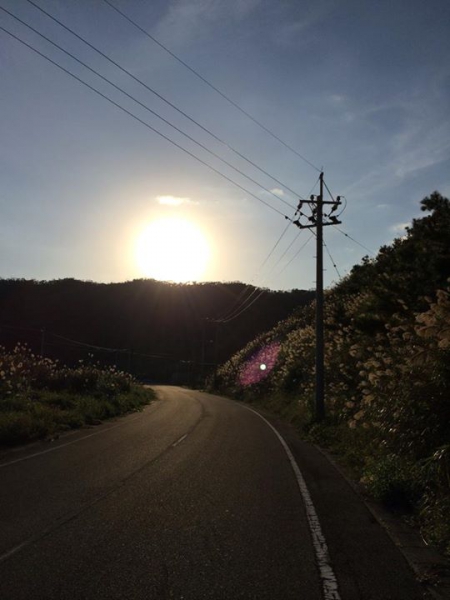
[(260, 364)]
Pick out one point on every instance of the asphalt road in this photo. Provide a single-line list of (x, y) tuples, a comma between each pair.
[(196, 497)]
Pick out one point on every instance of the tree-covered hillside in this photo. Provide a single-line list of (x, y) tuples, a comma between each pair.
[(387, 363), (162, 331)]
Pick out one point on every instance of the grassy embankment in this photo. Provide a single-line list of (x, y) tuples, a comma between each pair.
[(387, 373), (39, 398)]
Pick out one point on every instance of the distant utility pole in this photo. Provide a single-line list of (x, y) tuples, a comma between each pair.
[(316, 221)]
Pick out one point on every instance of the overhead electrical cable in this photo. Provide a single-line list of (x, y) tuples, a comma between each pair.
[(298, 234), (245, 303), (147, 87), (263, 291), (353, 240), (257, 289), (296, 254), (208, 83), (143, 122), (235, 315), (147, 108), (332, 260), (328, 190), (240, 301), (332, 197), (86, 345), (275, 245), (76, 343)]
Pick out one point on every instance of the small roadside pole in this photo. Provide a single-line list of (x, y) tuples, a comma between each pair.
[(316, 221)]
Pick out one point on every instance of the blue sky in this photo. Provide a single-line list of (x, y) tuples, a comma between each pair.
[(359, 88)]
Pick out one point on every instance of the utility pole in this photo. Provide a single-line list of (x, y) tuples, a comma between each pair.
[(316, 221), (320, 385)]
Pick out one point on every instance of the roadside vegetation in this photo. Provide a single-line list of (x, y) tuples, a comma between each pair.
[(387, 372), (39, 398), (159, 327)]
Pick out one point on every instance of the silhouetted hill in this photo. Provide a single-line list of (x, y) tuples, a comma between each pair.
[(173, 324)]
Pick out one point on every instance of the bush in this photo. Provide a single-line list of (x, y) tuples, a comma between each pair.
[(38, 397), (394, 481)]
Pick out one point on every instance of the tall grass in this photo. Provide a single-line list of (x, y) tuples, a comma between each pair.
[(39, 397)]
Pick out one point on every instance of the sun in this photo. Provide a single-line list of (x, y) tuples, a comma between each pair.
[(172, 249)]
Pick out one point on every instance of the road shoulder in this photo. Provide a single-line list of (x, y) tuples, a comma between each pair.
[(431, 570)]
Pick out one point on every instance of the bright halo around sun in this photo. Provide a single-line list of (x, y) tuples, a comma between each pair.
[(172, 249)]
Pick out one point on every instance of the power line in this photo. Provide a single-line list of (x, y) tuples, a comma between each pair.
[(282, 235), (231, 314), (296, 237), (332, 260), (328, 190), (77, 344), (197, 74), (297, 253), (83, 344), (147, 87), (245, 305), (286, 251), (146, 107), (356, 241), (143, 122), (244, 309), (323, 241), (275, 245), (240, 300), (337, 201), (263, 291)]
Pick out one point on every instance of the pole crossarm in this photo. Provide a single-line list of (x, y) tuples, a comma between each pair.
[(300, 226), (316, 204)]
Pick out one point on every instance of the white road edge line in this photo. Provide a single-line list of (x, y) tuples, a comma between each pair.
[(329, 581), (17, 460), (13, 551), (183, 437)]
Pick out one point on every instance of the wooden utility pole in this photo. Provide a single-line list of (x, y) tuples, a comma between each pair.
[(316, 221), (320, 384)]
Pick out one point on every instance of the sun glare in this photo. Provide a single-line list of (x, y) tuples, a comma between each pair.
[(172, 249)]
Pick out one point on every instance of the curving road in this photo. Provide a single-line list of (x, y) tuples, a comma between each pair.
[(194, 498)]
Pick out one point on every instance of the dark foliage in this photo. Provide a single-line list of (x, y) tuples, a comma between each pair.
[(171, 324)]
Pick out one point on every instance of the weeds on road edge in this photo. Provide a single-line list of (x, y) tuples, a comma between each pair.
[(39, 397)]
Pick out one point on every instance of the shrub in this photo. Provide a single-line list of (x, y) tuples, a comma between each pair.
[(394, 481), (39, 397)]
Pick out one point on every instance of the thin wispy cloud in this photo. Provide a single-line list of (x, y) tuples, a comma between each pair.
[(277, 191), (173, 200), (311, 14), (431, 148), (187, 19)]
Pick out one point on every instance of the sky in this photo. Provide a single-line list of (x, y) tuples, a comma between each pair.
[(359, 89)]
